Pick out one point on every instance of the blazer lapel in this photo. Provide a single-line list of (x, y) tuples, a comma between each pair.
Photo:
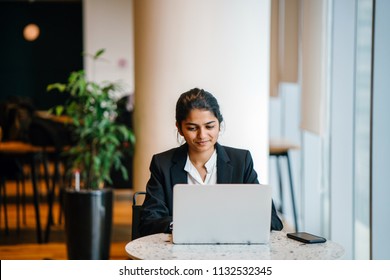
[(178, 175), (224, 168)]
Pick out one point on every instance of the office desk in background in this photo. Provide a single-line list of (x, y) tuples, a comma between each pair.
[(160, 247)]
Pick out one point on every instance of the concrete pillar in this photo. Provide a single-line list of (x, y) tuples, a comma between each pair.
[(221, 46)]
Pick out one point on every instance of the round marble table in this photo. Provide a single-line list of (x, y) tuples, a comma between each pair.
[(160, 247)]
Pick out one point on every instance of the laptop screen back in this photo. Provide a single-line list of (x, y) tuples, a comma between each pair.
[(221, 214)]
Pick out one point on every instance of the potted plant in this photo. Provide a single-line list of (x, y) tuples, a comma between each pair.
[(100, 144)]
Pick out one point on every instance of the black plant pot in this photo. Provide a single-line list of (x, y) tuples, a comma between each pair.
[(88, 223)]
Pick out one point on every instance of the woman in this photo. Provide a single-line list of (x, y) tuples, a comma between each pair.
[(201, 160)]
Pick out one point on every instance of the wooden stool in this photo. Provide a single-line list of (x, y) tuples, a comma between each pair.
[(280, 149)]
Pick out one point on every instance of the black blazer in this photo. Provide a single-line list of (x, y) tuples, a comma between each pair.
[(167, 169)]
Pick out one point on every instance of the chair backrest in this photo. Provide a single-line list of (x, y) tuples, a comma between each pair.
[(47, 133), (15, 117), (137, 208)]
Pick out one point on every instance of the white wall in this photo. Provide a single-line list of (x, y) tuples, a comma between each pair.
[(109, 25)]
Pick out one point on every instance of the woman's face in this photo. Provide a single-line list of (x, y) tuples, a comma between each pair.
[(200, 130)]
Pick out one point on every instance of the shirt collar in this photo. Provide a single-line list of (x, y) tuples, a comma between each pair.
[(209, 165)]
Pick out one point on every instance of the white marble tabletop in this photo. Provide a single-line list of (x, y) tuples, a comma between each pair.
[(160, 247)]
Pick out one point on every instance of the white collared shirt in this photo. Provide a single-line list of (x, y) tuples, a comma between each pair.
[(193, 176)]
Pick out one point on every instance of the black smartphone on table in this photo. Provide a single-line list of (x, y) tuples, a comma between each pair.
[(306, 237)]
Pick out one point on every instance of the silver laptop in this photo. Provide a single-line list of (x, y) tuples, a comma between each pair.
[(221, 214)]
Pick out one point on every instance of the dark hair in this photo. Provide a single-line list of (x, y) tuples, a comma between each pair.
[(196, 99)]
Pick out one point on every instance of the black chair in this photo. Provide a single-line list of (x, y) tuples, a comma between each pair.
[(53, 137), (12, 169), (15, 118), (137, 208), (20, 125)]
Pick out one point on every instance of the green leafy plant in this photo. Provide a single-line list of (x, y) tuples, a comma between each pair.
[(100, 142)]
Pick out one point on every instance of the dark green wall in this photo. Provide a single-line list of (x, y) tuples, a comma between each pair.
[(26, 68)]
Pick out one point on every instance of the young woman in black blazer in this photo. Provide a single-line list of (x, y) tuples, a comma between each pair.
[(201, 160)]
